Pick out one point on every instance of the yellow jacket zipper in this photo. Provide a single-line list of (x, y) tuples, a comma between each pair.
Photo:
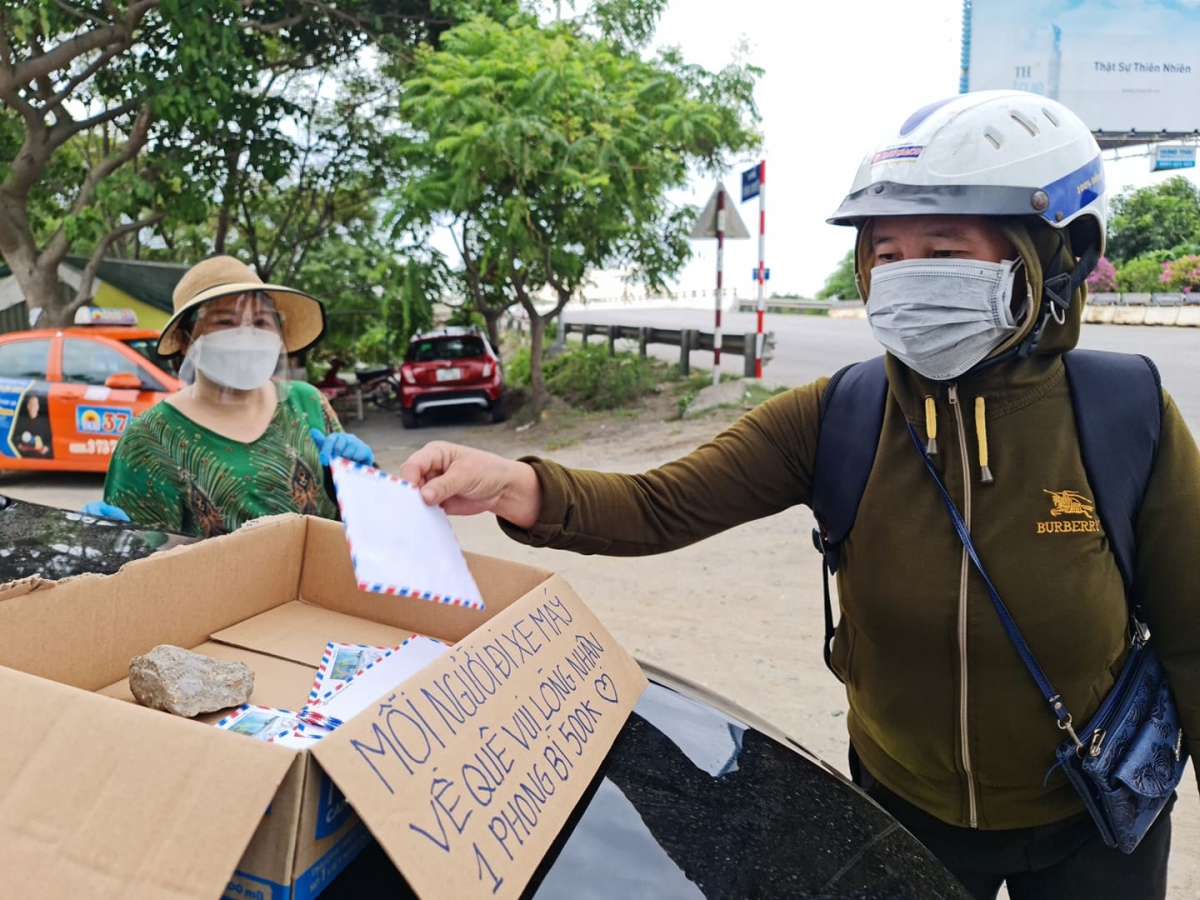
[(962, 612)]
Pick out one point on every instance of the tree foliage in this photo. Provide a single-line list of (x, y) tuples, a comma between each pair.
[(1160, 217), (554, 152), (121, 117), (840, 284)]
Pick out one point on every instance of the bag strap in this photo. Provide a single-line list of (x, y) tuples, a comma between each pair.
[(1117, 398), (851, 423), (1054, 701)]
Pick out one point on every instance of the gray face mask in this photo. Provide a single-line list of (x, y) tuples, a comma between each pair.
[(940, 317)]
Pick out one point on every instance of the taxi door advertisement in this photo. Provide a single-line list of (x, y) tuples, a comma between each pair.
[(25, 430)]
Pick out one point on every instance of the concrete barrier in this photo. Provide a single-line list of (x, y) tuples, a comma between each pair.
[(1100, 315), (1189, 316), (1129, 315), (1161, 315)]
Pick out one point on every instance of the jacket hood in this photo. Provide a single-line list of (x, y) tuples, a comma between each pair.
[(1039, 246)]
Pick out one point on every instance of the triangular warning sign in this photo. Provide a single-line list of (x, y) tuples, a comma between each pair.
[(706, 225)]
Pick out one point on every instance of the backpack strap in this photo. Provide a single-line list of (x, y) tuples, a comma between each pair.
[(1117, 399), (851, 422)]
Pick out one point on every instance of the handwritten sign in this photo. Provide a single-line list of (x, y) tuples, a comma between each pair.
[(467, 771)]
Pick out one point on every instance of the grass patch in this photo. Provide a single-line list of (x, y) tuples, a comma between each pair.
[(755, 393), (686, 389), (589, 380)]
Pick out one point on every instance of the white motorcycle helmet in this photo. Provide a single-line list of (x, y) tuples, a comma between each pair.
[(992, 153)]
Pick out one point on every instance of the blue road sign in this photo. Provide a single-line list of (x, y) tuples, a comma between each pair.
[(750, 184), (766, 274)]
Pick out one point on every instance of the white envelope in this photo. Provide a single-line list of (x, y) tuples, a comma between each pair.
[(398, 544)]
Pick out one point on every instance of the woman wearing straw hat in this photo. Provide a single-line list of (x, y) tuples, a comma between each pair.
[(233, 444)]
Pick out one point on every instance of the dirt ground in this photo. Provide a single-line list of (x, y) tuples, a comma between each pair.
[(740, 613)]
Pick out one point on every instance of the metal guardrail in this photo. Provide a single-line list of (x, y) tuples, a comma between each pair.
[(686, 339), (784, 305), (1130, 299)]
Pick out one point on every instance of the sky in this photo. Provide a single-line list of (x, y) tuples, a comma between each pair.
[(840, 76)]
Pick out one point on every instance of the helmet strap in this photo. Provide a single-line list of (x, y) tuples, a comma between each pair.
[(1057, 289)]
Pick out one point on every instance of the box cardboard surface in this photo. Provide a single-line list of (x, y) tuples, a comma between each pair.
[(465, 773)]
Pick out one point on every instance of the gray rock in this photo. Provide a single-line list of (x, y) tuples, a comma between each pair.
[(727, 393), (186, 683)]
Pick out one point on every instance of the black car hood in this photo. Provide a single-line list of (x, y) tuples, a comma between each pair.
[(52, 543)]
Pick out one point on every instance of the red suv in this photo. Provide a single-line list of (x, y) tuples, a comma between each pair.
[(450, 367)]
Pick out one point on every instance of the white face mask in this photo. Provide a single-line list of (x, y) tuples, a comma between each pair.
[(941, 317), (240, 358)]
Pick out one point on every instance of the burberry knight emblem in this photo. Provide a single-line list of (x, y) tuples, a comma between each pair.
[(1069, 503)]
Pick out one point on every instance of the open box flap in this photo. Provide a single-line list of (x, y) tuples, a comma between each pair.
[(299, 631), (103, 799), (467, 771), (328, 580)]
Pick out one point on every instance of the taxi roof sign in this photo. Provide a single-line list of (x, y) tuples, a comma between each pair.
[(103, 315)]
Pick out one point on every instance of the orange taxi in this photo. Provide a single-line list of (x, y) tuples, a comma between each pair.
[(66, 394)]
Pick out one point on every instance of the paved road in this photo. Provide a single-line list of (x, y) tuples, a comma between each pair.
[(807, 347)]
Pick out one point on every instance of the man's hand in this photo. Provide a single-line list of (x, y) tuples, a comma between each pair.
[(465, 481)]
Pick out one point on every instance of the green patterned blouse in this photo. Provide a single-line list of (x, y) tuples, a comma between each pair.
[(168, 472)]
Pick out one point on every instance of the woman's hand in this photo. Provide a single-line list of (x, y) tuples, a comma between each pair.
[(339, 443), (465, 481), (106, 510)]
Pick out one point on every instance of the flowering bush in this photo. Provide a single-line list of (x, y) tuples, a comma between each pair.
[(1103, 279), (1181, 275)]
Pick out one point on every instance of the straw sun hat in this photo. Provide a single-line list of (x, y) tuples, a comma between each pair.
[(303, 316)]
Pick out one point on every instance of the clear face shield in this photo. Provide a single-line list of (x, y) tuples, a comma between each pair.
[(234, 347)]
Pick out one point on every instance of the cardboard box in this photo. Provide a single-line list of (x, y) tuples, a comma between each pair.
[(465, 773)]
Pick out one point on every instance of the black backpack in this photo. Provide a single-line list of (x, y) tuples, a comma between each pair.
[(1117, 398)]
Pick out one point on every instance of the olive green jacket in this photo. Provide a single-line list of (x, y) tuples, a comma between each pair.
[(941, 709)]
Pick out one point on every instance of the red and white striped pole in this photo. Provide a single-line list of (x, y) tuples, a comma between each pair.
[(762, 267), (720, 279)]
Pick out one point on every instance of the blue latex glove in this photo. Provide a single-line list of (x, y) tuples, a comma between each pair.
[(106, 510), (342, 444)]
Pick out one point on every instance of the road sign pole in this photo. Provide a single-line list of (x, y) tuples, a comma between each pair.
[(720, 279), (762, 267), (719, 220)]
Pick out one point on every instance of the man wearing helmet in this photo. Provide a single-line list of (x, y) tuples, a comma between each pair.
[(977, 224)]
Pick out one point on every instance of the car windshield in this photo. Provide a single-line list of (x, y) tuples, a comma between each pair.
[(445, 348)]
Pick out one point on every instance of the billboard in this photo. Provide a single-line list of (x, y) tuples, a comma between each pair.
[(1168, 156), (1123, 66)]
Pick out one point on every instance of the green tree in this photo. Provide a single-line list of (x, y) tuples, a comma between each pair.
[(375, 298), (840, 284), (1161, 217), (556, 152), (119, 117)]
